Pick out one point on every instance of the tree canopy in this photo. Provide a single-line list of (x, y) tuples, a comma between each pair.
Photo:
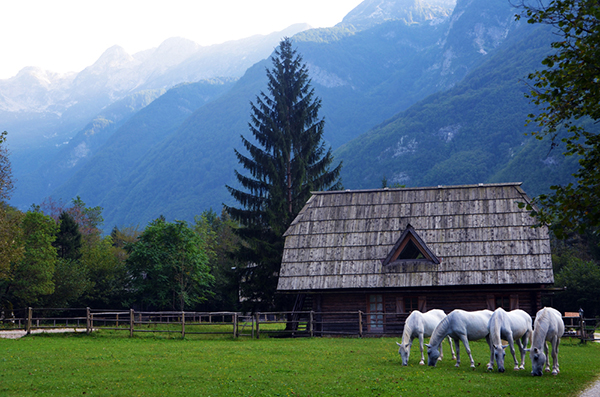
[(31, 277), (286, 160), (567, 91), (169, 267)]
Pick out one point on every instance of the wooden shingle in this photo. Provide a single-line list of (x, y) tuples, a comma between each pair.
[(340, 239)]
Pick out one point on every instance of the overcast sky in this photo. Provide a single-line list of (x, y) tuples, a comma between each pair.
[(68, 35)]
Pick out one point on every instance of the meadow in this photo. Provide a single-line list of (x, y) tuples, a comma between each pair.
[(110, 364)]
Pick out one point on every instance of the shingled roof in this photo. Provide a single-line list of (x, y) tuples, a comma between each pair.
[(415, 237)]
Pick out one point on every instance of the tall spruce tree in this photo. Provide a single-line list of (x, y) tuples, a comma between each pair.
[(286, 161), (68, 239)]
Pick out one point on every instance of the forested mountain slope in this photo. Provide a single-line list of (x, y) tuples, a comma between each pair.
[(71, 155), (472, 133), (129, 143)]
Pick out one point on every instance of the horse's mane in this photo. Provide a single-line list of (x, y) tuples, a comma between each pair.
[(497, 328), (407, 333), (542, 323), (441, 328)]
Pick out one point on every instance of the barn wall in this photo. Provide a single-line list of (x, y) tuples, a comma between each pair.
[(395, 313)]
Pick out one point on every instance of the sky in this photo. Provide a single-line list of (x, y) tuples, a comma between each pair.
[(69, 35)]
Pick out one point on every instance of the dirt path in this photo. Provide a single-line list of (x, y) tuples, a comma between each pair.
[(16, 334), (594, 389)]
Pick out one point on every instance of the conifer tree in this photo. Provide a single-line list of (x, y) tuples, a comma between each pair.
[(287, 159), (68, 240)]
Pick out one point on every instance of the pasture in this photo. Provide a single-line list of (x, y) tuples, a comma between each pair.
[(110, 364)]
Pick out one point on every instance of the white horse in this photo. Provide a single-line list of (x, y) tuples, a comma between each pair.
[(420, 325), (511, 326), (548, 327), (462, 326)]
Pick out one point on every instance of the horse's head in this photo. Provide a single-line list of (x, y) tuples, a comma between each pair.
[(404, 351), (538, 359), (499, 353), (433, 353)]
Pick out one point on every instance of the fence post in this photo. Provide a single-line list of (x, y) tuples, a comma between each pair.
[(182, 325), (310, 323), (360, 324), (131, 322), (29, 315), (582, 325), (235, 325), (257, 318), (88, 327)]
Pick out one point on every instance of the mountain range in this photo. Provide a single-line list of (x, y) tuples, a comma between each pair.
[(414, 92)]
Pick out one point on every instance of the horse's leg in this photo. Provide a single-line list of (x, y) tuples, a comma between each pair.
[(457, 343), (452, 348), (441, 350), (555, 343), (522, 342), (511, 344), (490, 365), (422, 362), (465, 342), (547, 356), (523, 347), (522, 352)]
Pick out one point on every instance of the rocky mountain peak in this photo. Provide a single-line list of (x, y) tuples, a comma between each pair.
[(372, 12), (113, 58)]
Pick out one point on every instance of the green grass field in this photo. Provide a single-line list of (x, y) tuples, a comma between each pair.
[(110, 364)]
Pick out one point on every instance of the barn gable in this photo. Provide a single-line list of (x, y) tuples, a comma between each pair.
[(410, 247), (445, 236)]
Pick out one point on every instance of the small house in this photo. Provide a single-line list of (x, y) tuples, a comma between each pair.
[(387, 252)]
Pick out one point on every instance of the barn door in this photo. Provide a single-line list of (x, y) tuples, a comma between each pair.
[(375, 315)]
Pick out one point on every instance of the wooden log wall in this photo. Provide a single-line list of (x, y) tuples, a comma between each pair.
[(395, 315)]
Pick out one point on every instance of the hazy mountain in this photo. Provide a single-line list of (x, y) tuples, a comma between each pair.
[(69, 157), (363, 77), (147, 118), (146, 129), (422, 103), (374, 12), (43, 110)]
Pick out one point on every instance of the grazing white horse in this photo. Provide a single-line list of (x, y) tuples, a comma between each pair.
[(420, 325), (462, 326), (511, 326), (548, 327)]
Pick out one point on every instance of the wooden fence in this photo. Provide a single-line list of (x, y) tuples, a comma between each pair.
[(235, 324)]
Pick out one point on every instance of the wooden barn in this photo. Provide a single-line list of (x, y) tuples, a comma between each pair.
[(386, 252)]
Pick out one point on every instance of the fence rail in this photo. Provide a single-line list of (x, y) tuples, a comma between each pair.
[(235, 324)]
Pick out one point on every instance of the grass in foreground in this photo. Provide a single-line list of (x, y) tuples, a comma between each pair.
[(105, 364)]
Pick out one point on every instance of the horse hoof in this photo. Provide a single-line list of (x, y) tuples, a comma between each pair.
[(439, 359), (555, 372), (422, 363), (490, 367), (457, 365), (516, 368), (522, 367)]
